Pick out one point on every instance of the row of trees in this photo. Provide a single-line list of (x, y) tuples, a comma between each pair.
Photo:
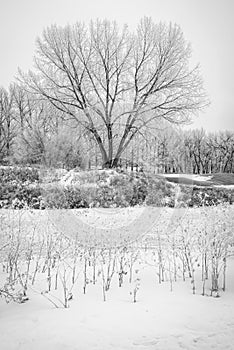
[(114, 95), (174, 150), (194, 151), (110, 84), (32, 131)]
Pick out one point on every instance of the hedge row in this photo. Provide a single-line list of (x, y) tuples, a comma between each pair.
[(20, 196), (22, 189), (18, 175)]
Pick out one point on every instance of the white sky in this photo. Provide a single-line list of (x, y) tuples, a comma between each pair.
[(207, 24)]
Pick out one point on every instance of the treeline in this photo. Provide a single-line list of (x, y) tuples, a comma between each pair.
[(173, 150), (33, 132)]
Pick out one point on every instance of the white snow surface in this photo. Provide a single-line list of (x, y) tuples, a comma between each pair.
[(160, 319), (189, 176), (230, 187), (195, 177)]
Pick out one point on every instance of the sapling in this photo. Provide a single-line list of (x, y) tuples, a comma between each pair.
[(74, 269), (85, 274), (57, 259), (48, 259), (38, 259), (64, 276), (110, 268), (205, 268), (65, 271), (29, 258), (122, 264), (133, 256), (161, 267), (10, 253), (107, 261), (13, 251), (52, 255), (62, 252), (203, 247), (94, 263), (183, 262), (216, 258), (136, 286), (171, 258), (103, 282), (224, 270), (49, 277), (18, 245), (186, 253), (192, 270), (220, 236), (175, 255), (75, 258), (57, 274), (170, 274), (172, 252), (188, 232)]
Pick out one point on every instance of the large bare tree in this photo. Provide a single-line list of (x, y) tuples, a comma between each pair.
[(115, 82)]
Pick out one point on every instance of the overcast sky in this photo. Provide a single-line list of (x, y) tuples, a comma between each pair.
[(207, 24)]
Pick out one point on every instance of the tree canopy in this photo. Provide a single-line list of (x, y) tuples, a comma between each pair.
[(115, 82)]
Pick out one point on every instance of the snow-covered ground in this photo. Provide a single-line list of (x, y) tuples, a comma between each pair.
[(230, 187), (160, 319), (166, 316), (193, 177)]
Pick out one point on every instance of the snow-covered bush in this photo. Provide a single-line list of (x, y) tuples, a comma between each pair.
[(160, 193), (19, 188), (10, 174)]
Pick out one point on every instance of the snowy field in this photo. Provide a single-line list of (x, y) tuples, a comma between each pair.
[(209, 179), (153, 296), (193, 177), (160, 319)]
